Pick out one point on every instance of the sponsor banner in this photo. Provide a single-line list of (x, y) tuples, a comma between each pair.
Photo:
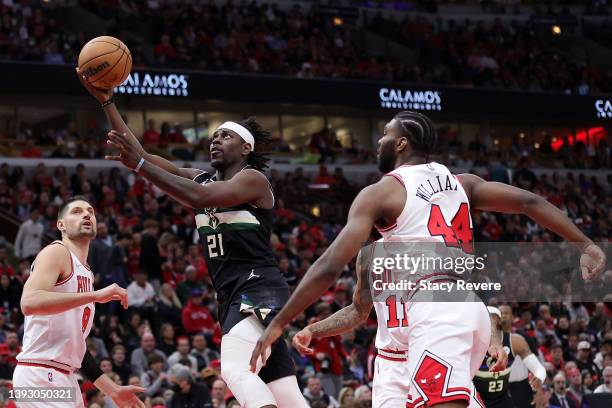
[(401, 98), (155, 83), (508, 272), (381, 98)]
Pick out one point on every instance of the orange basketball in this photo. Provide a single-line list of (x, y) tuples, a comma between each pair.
[(105, 61)]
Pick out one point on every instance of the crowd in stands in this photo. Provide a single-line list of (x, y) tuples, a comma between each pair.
[(264, 38), (498, 53), (168, 340)]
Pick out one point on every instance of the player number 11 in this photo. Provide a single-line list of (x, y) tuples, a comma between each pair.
[(215, 245)]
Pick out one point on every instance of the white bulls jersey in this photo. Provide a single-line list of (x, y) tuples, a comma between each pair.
[(436, 210), (60, 338)]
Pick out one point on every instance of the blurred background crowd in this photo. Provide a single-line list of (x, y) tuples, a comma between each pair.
[(168, 339), (262, 38)]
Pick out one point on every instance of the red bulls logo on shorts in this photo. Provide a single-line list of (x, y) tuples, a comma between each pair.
[(431, 383)]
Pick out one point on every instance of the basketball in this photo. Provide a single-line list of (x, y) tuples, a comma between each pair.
[(105, 61)]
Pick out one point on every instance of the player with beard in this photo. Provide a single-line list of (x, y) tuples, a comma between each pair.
[(418, 201), (58, 303), (234, 211)]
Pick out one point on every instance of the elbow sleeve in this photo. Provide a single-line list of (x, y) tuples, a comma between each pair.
[(533, 365)]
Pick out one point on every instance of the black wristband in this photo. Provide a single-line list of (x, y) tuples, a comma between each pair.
[(90, 367), (109, 102)]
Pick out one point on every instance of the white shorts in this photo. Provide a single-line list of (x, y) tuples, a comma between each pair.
[(447, 342), (38, 376), (390, 384)]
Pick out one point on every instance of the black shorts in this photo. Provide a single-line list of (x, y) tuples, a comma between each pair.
[(262, 296), (522, 394), (260, 291), (505, 402)]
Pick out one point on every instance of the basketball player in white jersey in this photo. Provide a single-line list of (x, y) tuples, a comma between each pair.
[(422, 201), (58, 303), (391, 377)]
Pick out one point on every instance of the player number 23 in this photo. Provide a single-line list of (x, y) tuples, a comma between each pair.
[(215, 245), (496, 386)]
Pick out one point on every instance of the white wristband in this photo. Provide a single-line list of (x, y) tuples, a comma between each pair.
[(533, 364), (140, 163)]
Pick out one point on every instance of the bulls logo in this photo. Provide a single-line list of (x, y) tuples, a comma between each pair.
[(431, 375), (430, 382)]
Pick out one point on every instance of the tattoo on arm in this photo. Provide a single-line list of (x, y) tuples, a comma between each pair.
[(352, 315)]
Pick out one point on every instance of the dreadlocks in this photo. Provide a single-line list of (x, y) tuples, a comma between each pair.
[(420, 131), (257, 159)]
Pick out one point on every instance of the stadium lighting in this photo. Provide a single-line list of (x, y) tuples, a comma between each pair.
[(556, 30), (338, 21)]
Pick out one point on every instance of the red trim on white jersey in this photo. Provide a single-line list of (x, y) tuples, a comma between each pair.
[(44, 366), (398, 178), (393, 355), (385, 229), (390, 227), (71, 264)]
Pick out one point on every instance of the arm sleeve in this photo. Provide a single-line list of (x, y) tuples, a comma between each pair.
[(533, 365), (90, 367)]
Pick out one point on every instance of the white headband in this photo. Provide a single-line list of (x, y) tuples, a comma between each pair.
[(241, 131), (494, 310)]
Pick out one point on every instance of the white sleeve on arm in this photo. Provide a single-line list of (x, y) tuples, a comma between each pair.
[(534, 365)]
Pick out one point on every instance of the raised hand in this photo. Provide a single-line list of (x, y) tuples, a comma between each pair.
[(110, 293), (102, 95), (592, 262), (128, 149), (302, 340)]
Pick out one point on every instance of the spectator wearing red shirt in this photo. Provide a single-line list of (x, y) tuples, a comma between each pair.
[(196, 259), (493, 231), (197, 318), (12, 341), (556, 357), (31, 151), (176, 135), (150, 137), (165, 49), (328, 356), (6, 368)]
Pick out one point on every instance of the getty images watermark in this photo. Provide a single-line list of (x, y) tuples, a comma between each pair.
[(523, 272)]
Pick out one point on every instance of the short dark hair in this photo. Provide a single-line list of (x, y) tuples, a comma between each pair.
[(155, 358), (419, 130), (65, 204), (258, 159)]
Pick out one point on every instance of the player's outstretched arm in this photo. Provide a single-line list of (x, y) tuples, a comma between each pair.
[(496, 347), (521, 348), (123, 396), (105, 98), (491, 196), (344, 319), (52, 263), (323, 273), (246, 186), (37, 298)]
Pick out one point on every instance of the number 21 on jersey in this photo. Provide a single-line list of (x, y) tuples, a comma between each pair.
[(215, 245)]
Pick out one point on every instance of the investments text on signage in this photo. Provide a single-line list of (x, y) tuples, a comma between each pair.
[(409, 99), (143, 83)]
